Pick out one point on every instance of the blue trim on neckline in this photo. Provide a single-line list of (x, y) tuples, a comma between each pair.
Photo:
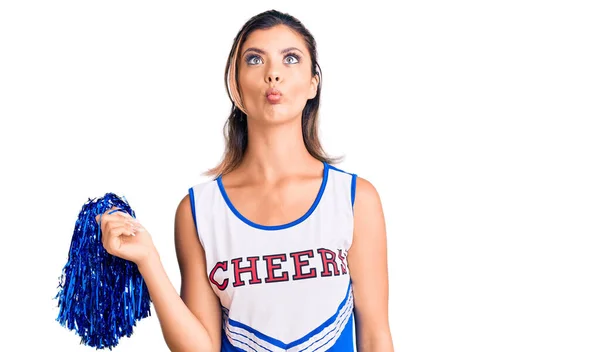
[(276, 227)]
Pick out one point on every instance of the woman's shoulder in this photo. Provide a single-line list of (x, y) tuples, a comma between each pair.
[(365, 190), (190, 199), (199, 187), (368, 209)]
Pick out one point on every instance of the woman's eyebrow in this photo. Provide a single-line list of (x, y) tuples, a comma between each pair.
[(286, 50)]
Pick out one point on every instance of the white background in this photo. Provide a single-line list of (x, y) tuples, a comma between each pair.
[(477, 122)]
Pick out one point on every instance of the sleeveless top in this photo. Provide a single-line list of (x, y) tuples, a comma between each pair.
[(284, 287)]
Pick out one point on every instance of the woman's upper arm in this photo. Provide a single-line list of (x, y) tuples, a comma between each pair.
[(367, 261), (196, 291)]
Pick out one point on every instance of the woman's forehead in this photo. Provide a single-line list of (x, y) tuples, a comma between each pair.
[(274, 39)]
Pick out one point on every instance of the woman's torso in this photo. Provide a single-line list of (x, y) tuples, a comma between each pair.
[(285, 287)]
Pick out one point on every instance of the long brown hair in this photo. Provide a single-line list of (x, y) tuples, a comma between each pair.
[(235, 130)]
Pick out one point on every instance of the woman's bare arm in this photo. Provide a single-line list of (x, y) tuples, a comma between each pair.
[(192, 321), (367, 261)]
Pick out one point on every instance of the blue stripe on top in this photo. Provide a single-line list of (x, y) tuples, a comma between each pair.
[(344, 343), (303, 339), (193, 203), (353, 192), (352, 186)]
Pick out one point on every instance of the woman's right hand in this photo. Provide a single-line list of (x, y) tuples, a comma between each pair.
[(123, 236)]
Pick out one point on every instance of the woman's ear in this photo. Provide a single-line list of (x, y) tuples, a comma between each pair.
[(314, 85)]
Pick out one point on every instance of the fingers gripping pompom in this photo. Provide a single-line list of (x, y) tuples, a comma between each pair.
[(100, 296)]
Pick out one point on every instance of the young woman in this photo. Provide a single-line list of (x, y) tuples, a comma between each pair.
[(281, 250)]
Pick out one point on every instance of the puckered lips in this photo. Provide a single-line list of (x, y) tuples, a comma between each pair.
[(273, 95)]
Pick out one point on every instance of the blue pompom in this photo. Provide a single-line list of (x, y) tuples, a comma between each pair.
[(101, 296)]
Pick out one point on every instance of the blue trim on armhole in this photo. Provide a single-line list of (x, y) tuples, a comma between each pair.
[(352, 186), (193, 204), (353, 190)]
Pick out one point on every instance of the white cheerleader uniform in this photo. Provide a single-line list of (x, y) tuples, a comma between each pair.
[(285, 287)]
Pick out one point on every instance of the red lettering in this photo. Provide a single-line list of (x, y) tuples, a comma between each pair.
[(223, 266), (238, 271), (300, 263), (342, 259), (271, 267), (328, 258)]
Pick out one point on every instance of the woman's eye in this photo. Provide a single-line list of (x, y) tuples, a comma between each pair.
[(293, 57), (250, 59)]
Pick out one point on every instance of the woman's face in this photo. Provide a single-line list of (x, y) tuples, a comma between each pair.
[(275, 58)]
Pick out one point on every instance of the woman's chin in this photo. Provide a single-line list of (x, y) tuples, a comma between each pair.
[(276, 114)]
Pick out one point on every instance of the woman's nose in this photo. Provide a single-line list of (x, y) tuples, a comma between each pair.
[(272, 77)]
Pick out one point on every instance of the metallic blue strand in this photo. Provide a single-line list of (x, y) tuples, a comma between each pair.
[(101, 296)]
